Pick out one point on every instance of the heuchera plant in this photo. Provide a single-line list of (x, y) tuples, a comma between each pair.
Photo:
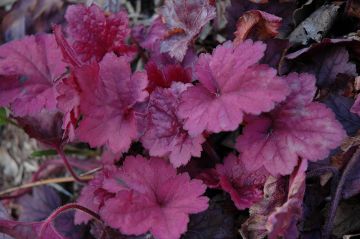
[(78, 85)]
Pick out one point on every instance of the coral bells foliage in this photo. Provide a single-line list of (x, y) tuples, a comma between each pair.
[(84, 85), (231, 83), (28, 70), (165, 135), (245, 187), (94, 33), (145, 195), (109, 92), (296, 128)]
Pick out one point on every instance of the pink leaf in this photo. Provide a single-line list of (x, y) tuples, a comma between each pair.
[(295, 128), (165, 135), (109, 93), (244, 187), (28, 70), (94, 33), (231, 84), (154, 198), (184, 20)]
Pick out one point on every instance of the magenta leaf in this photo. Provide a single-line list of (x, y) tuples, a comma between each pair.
[(28, 70), (68, 101), (244, 187), (152, 197), (93, 195), (109, 93), (231, 84), (295, 128), (165, 135), (95, 33), (165, 76), (184, 21)]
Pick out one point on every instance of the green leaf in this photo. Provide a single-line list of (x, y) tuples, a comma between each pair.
[(3, 117), (44, 153)]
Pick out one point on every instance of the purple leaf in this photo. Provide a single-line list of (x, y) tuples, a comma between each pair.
[(352, 184), (64, 224), (341, 106), (326, 65), (38, 206), (29, 230), (4, 215)]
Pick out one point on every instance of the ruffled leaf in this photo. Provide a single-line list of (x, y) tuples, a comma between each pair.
[(28, 70), (231, 84), (154, 198), (109, 93), (95, 33), (296, 128), (165, 135), (244, 187)]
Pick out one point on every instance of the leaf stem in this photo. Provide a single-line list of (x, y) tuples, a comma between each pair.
[(68, 165), (338, 195)]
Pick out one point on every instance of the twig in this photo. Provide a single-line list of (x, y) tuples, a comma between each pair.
[(44, 182), (338, 195)]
